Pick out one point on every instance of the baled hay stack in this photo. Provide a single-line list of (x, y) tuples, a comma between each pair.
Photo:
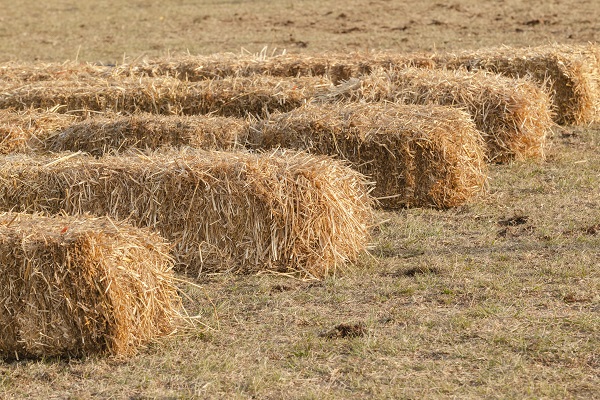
[(256, 95), (24, 131), (337, 67), (35, 72), (79, 286), (100, 135), (512, 114), (571, 72), (290, 212), (417, 155)]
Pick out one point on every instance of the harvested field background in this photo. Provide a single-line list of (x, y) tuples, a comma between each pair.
[(494, 299)]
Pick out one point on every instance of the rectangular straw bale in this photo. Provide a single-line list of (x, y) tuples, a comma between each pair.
[(25, 131), (35, 71), (256, 95), (103, 134), (416, 155), (79, 286), (337, 67), (571, 72), (513, 114), (290, 211)]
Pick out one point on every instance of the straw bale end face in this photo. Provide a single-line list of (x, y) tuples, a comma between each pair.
[(80, 286)]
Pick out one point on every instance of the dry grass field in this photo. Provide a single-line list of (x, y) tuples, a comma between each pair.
[(499, 298)]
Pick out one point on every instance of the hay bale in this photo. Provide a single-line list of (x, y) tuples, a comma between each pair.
[(103, 134), (238, 97), (416, 155), (337, 67), (80, 286), (290, 211), (25, 131), (512, 114), (570, 72)]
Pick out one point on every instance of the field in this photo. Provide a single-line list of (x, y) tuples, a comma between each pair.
[(498, 298)]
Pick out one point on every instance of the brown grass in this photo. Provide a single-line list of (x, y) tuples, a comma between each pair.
[(289, 212), (81, 286), (417, 155), (257, 95), (571, 73), (512, 114)]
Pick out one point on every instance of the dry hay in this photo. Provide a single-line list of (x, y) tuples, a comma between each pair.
[(571, 73), (103, 134), (337, 67), (80, 286), (290, 211), (25, 131), (256, 95), (35, 72), (512, 114), (417, 155)]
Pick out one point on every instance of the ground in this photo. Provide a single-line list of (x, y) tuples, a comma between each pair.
[(496, 299)]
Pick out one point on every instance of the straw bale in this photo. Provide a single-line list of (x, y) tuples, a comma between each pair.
[(243, 212), (79, 286), (257, 95), (416, 155), (102, 134), (512, 114), (571, 72), (337, 67), (36, 71), (25, 131)]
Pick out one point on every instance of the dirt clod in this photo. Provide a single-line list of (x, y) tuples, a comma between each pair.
[(357, 329)]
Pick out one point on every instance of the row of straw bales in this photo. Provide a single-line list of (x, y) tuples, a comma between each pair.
[(512, 114), (109, 285), (74, 286), (284, 211), (337, 67), (570, 73), (416, 155), (256, 95)]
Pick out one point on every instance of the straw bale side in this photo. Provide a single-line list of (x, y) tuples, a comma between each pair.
[(257, 95), (24, 131), (337, 67), (570, 72), (416, 155), (104, 134), (80, 286), (512, 114), (290, 212)]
